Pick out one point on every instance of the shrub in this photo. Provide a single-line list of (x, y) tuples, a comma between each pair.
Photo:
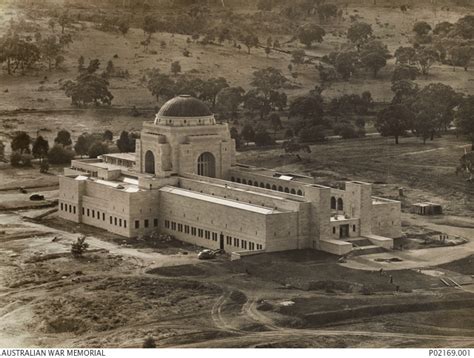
[(149, 342), (59, 154), (345, 130), (79, 247), (20, 160)]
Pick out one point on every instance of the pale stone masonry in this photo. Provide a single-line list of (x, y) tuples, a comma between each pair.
[(183, 180)]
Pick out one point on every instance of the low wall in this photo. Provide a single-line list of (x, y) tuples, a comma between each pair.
[(335, 247)]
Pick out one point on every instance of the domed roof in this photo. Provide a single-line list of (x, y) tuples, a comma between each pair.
[(184, 106)]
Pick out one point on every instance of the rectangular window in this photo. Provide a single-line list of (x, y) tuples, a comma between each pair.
[(74, 209), (180, 227), (193, 231), (146, 222), (236, 242), (125, 223), (244, 244), (251, 246), (103, 216), (167, 224), (110, 217), (62, 206), (354, 227), (155, 222), (120, 222), (207, 234), (137, 224), (88, 212), (173, 225), (115, 221), (82, 211), (200, 232), (214, 236), (186, 229), (93, 213)]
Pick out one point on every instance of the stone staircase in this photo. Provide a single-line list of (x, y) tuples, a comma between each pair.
[(363, 246)]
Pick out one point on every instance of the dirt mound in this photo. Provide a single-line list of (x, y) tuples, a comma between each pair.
[(238, 297), (64, 325), (264, 306), (177, 271)]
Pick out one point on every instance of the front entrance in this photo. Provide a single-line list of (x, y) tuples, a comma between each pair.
[(343, 231), (221, 242)]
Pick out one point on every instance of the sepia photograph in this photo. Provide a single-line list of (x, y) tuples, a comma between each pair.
[(236, 174)]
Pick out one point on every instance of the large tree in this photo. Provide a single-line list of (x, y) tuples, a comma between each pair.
[(229, 100), (50, 49), (465, 118), (307, 107), (40, 148), (345, 64), (89, 88), (359, 33), (308, 34), (421, 28), (21, 142), (394, 121), (63, 137), (161, 85)]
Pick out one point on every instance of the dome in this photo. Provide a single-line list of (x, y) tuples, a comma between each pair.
[(184, 106)]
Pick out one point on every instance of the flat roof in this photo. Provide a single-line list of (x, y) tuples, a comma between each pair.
[(282, 175), (220, 201), (125, 156)]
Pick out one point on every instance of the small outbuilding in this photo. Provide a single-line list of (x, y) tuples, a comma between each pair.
[(427, 208)]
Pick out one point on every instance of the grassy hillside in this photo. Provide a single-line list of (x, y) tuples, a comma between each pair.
[(390, 25)]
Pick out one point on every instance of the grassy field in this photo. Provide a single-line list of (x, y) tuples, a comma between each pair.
[(427, 172)]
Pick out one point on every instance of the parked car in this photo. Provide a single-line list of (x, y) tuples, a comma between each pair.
[(206, 254), (36, 197)]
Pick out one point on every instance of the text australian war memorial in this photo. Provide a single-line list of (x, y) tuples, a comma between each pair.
[(183, 180)]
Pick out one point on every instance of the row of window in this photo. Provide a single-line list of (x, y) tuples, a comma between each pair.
[(267, 186), (100, 215), (68, 208), (209, 235), (146, 223)]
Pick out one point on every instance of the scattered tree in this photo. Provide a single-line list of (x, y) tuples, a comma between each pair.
[(394, 121), (63, 137), (40, 148), (310, 33), (21, 142), (59, 154)]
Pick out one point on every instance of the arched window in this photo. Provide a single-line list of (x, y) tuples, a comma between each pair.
[(149, 162), (340, 204), (232, 179), (262, 185), (250, 182), (268, 186), (238, 180), (299, 192), (333, 203), (206, 165), (287, 190), (292, 191), (274, 187), (255, 183), (280, 188), (244, 181)]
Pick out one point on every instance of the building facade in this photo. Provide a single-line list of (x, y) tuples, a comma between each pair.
[(183, 180)]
